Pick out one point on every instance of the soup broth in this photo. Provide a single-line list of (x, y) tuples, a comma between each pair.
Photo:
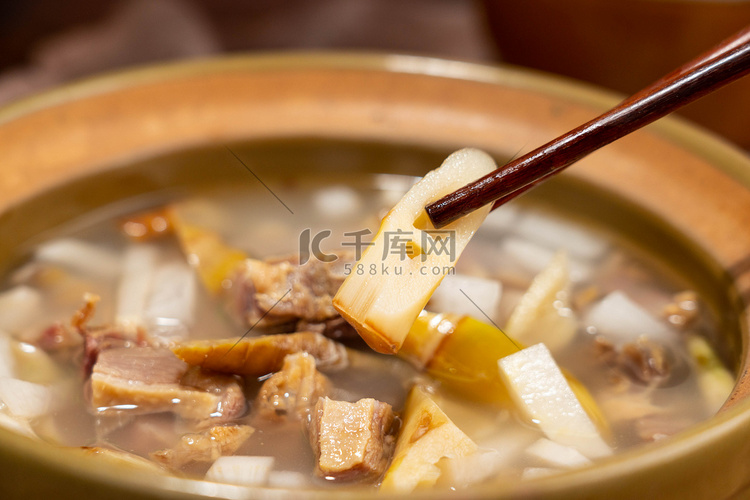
[(638, 343)]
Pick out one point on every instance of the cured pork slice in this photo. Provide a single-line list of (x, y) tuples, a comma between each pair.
[(140, 380)]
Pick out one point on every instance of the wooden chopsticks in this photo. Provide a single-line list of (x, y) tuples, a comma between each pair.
[(720, 66)]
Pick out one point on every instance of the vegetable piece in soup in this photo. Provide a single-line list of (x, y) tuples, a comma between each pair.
[(208, 339)]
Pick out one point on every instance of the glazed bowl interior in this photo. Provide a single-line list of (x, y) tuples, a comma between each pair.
[(158, 133)]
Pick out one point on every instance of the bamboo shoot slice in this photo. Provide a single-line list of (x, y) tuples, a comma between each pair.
[(427, 436), (544, 313), (213, 259), (462, 353), (543, 394), (258, 356), (394, 279)]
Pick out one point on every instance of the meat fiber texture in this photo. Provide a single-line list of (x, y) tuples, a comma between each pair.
[(204, 446), (281, 291), (142, 380), (351, 441), (292, 392)]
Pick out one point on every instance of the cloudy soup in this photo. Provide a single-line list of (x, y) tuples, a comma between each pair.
[(195, 335)]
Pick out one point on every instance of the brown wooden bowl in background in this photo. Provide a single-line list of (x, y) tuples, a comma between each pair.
[(625, 45)]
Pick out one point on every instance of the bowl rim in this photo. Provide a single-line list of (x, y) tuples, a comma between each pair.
[(719, 152), (709, 145)]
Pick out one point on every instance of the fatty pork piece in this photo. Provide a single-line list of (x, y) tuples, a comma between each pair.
[(292, 392), (83, 345), (204, 446), (283, 292), (351, 441), (102, 338), (64, 340), (141, 380), (258, 356)]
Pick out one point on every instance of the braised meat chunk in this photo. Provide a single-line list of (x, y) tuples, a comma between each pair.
[(226, 388), (292, 392), (351, 441), (94, 339), (279, 291), (642, 361), (334, 328), (142, 380), (204, 446)]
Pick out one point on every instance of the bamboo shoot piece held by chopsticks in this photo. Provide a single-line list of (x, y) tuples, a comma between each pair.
[(392, 282)]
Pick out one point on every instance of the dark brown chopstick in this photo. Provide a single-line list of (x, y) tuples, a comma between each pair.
[(722, 65)]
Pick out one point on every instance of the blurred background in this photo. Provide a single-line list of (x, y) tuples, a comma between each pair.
[(621, 45)]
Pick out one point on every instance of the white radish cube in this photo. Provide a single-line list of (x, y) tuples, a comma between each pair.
[(556, 454), (336, 202), (25, 399), (19, 307), (171, 303), (510, 442), (286, 479), (501, 220), (467, 295), (533, 258), (33, 364), (461, 472), (541, 392), (529, 256), (555, 233), (241, 470), (138, 268), (81, 257), (7, 363), (19, 425), (622, 320), (535, 472)]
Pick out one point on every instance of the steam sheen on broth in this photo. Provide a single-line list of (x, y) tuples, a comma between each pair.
[(617, 323)]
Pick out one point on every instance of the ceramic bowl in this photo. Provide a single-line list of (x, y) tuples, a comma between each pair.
[(676, 189)]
